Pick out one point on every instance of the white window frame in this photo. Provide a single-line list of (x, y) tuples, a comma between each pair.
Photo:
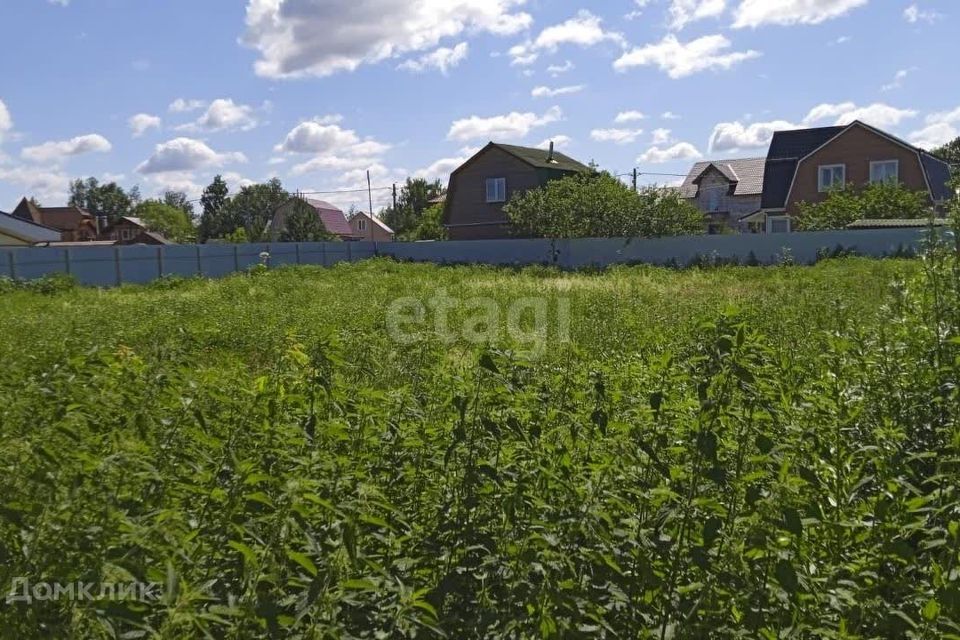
[(772, 219), (823, 188), (499, 190), (362, 225), (896, 175)]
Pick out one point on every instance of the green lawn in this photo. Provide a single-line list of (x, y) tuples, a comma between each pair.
[(384, 450)]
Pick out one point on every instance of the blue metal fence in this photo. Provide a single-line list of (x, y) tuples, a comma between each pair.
[(113, 266)]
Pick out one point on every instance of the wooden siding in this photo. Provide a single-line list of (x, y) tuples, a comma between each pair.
[(471, 217)]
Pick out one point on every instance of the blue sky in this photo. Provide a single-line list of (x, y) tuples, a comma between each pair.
[(316, 92)]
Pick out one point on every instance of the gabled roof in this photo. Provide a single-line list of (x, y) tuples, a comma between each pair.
[(377, 221), (789, 148), (62, 218), (332, 218), (798, 143), (747, 173), (541, 159)]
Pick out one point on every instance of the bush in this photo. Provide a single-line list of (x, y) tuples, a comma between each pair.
[(847, 204), (601, 206)]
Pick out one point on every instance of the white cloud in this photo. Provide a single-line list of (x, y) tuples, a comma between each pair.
[(320, 38), (941, 128), (559, 142), (683, 12), (442, 59), (756, 13), (558, 69), (662, 137), (629, 116), (897, 81), (50, 186), (182, 105), (186, 154), (584, 30), (914, 14), (669, 115), (679, 59), (638, 11), (878, 114), (323, 136), (143, 122), (6, 121), (333, 147), (547, 92), (62, 3), (728, 136), (679, 151), (511, 126), (442, 168), (56, 151), (224, 115), (617, 136)]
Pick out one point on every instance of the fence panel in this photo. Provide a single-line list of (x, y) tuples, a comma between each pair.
[(217, 260), (93, 266), (110, 266)]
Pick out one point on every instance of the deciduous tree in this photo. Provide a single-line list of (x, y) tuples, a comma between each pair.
[(600, 206), (876, 201)]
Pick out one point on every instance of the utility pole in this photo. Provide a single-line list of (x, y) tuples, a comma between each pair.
[(634, 178), (369, 193), (394, 197)]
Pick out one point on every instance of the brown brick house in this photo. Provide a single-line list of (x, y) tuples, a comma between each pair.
[(74, 223), (805, 164), (481, 186)]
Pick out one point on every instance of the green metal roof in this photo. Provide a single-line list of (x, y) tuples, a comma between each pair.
[(539, 158), (897, 223)]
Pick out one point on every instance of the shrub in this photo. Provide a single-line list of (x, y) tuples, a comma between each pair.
[(601, 206)]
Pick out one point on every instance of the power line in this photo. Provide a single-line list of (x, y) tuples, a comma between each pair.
[(318, 193)]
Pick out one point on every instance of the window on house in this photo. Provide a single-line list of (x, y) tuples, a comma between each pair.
[(832, 176), (496, 189), (885, 171), (362, 225), (714, 199), (778, 224)]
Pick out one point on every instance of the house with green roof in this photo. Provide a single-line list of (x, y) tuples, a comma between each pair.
[(482, 186)]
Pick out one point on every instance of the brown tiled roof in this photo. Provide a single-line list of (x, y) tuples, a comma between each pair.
[(60, 218), (747, 173)]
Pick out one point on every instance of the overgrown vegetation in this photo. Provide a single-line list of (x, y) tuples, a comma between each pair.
[(875, 201), (722, 453), (599, 205)]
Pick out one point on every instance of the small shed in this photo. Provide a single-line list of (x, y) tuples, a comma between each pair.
[(370, 228)]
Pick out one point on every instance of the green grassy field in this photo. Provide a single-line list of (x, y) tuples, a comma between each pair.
[(385, 450)]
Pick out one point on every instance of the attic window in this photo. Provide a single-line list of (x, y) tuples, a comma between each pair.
[(496, 190), (362, 225)]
